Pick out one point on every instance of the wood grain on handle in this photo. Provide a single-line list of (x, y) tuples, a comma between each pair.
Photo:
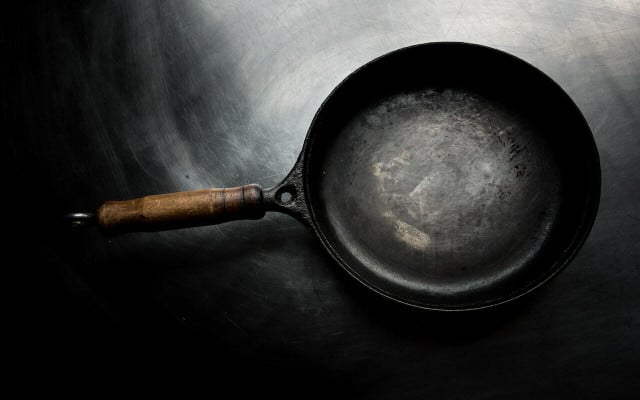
[(182, 209)]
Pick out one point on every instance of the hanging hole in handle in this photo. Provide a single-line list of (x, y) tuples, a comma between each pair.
[(286, 195)]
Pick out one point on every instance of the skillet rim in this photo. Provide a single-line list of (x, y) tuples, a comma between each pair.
[(581, 231)]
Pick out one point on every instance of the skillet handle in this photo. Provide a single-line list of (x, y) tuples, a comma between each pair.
[(181, 210)]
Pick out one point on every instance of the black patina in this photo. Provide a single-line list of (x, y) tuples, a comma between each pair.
[(447, 176)]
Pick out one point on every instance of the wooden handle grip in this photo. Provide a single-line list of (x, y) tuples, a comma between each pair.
[(182, 209)]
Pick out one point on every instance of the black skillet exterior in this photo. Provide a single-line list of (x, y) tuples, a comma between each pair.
[(299, 180)]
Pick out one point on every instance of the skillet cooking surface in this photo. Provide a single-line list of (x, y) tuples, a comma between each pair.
[(451, 176)]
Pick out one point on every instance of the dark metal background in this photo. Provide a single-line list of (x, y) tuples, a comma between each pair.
[(109, 100)]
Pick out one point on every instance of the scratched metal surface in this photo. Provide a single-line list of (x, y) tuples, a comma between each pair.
[(119, 99)]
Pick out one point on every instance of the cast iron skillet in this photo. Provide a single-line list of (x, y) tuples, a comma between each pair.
[(446, 176)]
